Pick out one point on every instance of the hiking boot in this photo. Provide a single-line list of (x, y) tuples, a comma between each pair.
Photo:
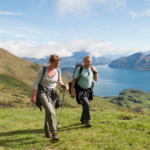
[(82, 122), (48, 135), (55, 137), (88, 124)]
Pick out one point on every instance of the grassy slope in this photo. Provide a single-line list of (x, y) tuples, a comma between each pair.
[(132, 98), (16, 76), (111, 130)]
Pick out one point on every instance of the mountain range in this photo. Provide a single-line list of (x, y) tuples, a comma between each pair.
[(72, 60), (137, 61)]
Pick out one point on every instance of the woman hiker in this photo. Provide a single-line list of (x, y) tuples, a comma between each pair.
[(46, 81)]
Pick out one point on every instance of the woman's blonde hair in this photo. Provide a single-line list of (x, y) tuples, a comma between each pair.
[(54, 57)]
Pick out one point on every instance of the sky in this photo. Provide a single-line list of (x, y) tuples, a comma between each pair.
[(38, 28)]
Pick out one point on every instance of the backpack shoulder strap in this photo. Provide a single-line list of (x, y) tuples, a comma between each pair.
[(58, 69), (44, 70), (80, 71), (81, 68)]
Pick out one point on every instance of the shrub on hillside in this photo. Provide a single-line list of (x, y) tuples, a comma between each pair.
[(131, 97), (127, 106), (134, 91), (143, 111), (135, 100), (120, 98), (120, 103), (112, 101), (123, 93)]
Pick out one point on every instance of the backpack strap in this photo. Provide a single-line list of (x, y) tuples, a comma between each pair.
[(44, 70), (58, 69), (79, 76)]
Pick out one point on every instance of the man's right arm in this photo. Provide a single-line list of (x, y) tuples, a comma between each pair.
[(72, 87), (76, 74)]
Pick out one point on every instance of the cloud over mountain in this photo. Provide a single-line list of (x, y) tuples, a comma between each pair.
[(94, 47)]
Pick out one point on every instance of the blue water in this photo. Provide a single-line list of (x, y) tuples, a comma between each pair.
[(112, 81)]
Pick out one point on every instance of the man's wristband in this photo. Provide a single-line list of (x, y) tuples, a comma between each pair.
[(95, 72)]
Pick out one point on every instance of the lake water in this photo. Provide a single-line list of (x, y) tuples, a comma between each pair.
[(112, 81)]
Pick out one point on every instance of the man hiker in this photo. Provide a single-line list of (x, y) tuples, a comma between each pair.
[(83, 88)]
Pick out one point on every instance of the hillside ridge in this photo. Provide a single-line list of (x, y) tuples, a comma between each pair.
[(137, 61)]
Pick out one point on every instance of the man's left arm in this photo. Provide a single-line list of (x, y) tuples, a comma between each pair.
[(95, 73)]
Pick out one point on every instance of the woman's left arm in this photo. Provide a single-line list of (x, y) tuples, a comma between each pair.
[(95, 73)]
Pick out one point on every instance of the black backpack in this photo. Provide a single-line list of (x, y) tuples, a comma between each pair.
[(81, 68)]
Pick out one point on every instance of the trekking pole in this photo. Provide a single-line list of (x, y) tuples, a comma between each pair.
[(61, 90)]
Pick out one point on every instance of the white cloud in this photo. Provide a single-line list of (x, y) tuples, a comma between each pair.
[(65, 6), (24, 36), (145, 13), (25, 49), (9, 13), (94, 47), (133, 14)]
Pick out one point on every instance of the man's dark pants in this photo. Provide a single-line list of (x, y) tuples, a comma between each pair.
[(85, 109)]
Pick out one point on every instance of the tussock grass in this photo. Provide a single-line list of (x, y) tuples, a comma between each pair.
[(22, 128)]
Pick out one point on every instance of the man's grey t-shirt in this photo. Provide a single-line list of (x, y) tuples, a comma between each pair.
[(47, 81), (86, 78)]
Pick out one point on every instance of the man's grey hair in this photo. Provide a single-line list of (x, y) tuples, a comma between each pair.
[(85, 57)]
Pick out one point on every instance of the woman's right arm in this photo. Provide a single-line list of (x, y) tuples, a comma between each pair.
[(36, 83), (33, 99)]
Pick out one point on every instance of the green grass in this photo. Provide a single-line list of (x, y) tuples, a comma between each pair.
[(111, 130), (22, 127)]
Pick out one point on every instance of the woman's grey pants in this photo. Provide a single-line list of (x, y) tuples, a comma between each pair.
[(50, 120), (85, 109)]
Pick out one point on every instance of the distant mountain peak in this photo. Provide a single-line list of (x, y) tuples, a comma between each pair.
[(73, 60), (138, 61)]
